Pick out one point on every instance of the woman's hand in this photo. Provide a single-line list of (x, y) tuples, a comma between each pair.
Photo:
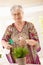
[(22, 42), (31, 42), (6, 44)]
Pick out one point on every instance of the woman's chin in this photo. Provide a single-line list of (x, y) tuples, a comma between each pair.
[(18, 20)]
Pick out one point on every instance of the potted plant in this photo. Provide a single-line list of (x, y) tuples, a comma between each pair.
[(20, 54)]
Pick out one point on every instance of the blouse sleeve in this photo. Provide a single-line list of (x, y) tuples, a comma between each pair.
[(33, 35), (7, 33)]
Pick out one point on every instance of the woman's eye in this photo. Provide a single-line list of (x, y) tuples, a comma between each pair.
[(14, 14), (17, 14)]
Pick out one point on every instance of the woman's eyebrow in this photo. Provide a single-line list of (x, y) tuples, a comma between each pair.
[(16, 13)]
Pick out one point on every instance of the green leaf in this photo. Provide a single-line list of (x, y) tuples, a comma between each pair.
[(19, 52)]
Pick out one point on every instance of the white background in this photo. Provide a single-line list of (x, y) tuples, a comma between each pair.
[(32, 14)]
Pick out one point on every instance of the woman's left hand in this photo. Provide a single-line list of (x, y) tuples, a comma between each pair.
[(22, 42), (31, 42)]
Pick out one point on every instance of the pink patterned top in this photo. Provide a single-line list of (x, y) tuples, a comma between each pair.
[(28, 32)]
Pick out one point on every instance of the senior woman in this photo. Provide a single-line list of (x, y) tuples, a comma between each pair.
[(22, 32)]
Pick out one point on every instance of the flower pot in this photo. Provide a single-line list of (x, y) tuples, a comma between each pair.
[(21, 61)]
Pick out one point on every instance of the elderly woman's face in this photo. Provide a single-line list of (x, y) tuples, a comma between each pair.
[(17, 15)]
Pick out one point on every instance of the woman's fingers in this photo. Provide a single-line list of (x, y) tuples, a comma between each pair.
[(6, 44), (9, 46), (31, 42), (22, 42)]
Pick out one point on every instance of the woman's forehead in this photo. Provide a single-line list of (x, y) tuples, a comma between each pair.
[(17, 11)]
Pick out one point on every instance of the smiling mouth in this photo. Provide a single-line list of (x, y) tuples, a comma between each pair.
[(18, 18)]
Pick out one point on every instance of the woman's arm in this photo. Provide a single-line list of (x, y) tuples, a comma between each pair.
[(33, 37), (6, 44), (31, 42), (6, 37)]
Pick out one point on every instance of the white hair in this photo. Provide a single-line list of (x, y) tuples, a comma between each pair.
[(16, 7)]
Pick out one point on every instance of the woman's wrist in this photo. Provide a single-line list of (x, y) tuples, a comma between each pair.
[(31, 42)]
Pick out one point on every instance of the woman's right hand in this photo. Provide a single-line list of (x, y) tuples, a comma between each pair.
[(6, 44)]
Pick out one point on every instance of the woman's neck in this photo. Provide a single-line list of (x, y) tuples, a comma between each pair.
[(19, 22)]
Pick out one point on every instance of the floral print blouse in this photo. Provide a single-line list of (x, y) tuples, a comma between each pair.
[(28, 32)]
